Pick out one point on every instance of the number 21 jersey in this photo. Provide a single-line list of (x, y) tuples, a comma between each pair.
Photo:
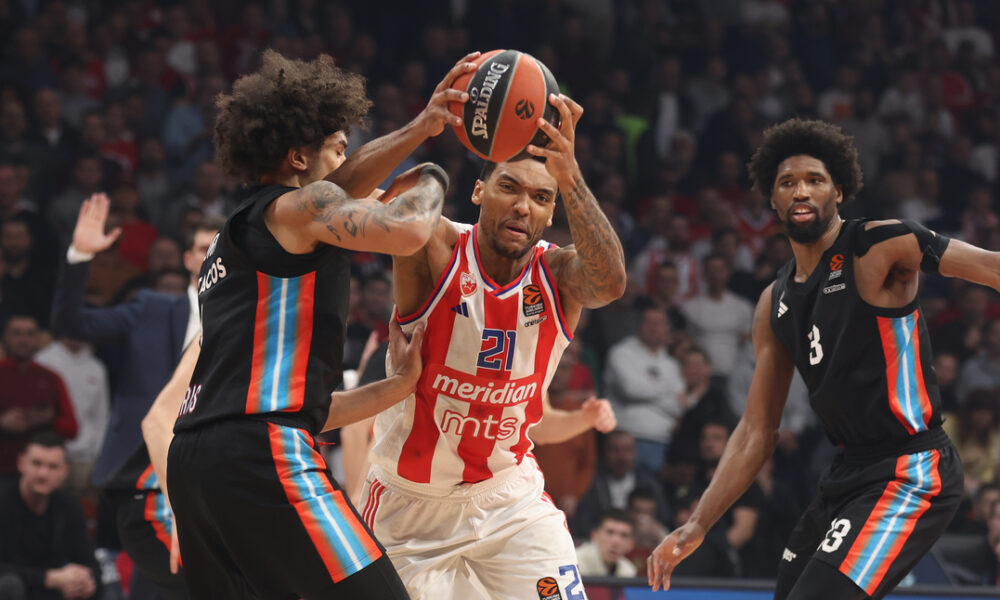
[(489, 352)]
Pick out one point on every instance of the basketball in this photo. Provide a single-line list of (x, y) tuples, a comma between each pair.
[(507, 93)]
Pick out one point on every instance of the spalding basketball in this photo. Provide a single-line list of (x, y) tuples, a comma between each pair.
[(507, 93)]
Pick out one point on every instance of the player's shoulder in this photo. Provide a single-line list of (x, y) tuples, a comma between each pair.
[(874, 223)]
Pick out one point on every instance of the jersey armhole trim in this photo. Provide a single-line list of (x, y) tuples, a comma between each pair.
[(438, 287), (551, 288)]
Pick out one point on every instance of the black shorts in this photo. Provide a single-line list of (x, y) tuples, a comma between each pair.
[(258, 515), (874, 518), (144, 526)]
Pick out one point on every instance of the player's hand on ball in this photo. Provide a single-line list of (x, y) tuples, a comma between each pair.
[(405, 351), (599, 414), (672, 550), (436, 114), (560, 152)]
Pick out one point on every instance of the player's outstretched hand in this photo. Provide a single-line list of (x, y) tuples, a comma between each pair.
[(599, 414), (672, 550), (410, 364), (436, 114), (88, 235)]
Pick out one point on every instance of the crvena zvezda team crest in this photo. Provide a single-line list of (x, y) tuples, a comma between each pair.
[(468, 284)]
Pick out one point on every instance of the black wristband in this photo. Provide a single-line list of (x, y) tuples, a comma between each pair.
[(437, 173)]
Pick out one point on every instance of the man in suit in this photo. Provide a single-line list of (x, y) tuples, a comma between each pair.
[(147, 336)]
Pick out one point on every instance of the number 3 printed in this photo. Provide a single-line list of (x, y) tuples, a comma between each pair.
[(839, 528), (815, 349)]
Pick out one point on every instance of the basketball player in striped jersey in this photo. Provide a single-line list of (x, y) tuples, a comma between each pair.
[(257, 512), (454, 492), (845, 313)]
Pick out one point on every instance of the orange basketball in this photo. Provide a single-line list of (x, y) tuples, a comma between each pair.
[(507, 93)]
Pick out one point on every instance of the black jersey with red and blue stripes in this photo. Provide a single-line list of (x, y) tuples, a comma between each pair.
[(272, 325), (868, 369)]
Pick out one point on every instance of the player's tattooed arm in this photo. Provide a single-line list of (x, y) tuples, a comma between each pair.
[(595, 273), (592, 271), (400, 222)]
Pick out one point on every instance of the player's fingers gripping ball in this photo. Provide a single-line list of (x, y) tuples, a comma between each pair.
[(507, 93)]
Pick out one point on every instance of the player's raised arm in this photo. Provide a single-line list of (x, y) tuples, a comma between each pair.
[(400, 222), (370, 164), (748, 449), (591, 272)]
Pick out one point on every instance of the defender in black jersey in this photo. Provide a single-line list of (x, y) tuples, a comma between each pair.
[(845, 313), (257, 513)]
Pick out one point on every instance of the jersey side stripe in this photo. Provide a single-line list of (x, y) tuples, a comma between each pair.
[(417, 453), (156, 513), (302, 343), (147, 479), (923, 398), (896, 372), (253, 403), (890, 524)]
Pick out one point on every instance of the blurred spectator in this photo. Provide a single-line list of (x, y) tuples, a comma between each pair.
[(610, 541), (946, 369), (719, 320), (674, 245), (982, 371), (45, 545), (649, 530), (137, 233), (666, 283), (779, 510), (963, 335), (86, 381), (976, 434), (611, 324), (618, 475), (60, 141), (87, 179), (152, 180), (187, 130), (704, 400), (740, 521), (644, 384), (27, 282), (207, 196), (31, 396)]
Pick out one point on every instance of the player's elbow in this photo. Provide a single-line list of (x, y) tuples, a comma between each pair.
[(407, 240)]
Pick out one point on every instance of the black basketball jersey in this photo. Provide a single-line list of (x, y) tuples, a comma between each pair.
[(272, 325), (869, 370)]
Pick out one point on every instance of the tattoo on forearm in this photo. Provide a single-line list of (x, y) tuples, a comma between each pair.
[(597, 245), (330, 205)]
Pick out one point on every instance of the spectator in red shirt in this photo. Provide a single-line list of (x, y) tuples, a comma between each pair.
[(32, 397)]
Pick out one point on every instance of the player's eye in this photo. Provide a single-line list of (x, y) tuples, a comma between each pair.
[(506, 187)]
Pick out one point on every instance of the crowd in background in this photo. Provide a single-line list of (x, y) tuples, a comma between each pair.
[(119, 97)]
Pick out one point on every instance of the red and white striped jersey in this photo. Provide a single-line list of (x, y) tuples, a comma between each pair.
[(489, 352)]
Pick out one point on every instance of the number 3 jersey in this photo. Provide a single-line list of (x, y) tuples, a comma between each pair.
[(489, 352), (869, 370)]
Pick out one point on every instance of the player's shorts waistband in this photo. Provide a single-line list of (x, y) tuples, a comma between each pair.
[(918, 442), (457, 493)]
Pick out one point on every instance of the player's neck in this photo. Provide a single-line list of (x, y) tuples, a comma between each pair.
[(807, 256), (502, 270)]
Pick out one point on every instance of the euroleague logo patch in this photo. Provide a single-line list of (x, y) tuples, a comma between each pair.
[(532, 302), (467, 283), (524, 108), (548, 589), (837, 262)]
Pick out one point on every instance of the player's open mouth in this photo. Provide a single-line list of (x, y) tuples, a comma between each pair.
[(515, 230), (803, 213)]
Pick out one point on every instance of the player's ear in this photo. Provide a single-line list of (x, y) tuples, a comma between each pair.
[(477, 192), (840, 194), (297, 159)]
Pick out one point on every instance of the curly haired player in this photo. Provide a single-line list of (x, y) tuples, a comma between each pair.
[(845, 313), (257, 513)]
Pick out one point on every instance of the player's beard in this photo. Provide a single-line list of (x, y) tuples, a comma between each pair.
[(516, 252), (810, 232)]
